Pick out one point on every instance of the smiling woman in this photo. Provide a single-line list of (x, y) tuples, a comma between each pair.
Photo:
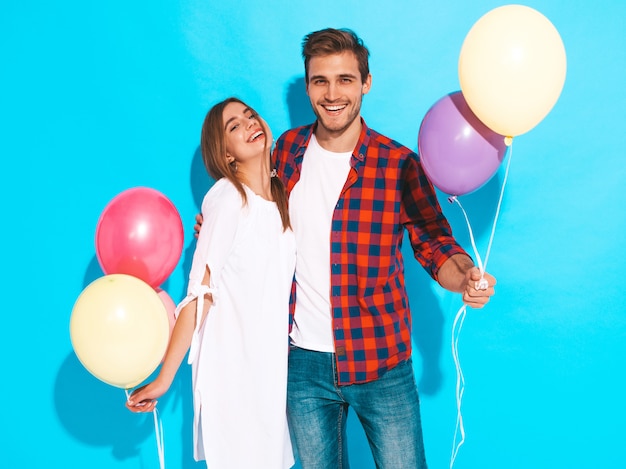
[(237, 301)]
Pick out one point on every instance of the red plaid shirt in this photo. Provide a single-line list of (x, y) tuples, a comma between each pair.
[(386, 192)]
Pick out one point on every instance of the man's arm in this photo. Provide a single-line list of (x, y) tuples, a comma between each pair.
[(459, 274), (198, 225)]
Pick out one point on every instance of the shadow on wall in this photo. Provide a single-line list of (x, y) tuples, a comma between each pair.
[(427, 315), (427, 322), (109, 423), (106, 424), (480, 207), (200, 182), (300, 112)]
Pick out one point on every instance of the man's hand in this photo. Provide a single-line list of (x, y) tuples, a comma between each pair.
[(459, 274), (478, 289), (198, 225)]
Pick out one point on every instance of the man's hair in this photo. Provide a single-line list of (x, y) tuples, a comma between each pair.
[(335, 41)]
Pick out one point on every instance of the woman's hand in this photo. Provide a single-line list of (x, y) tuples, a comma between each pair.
[(144, 399)]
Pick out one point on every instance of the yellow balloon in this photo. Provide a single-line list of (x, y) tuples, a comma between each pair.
[(119, 329), (512, 68)]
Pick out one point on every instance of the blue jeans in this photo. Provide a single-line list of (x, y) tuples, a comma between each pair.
[(317, 407)]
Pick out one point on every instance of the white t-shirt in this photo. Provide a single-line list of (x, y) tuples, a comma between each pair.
[(239, 354), (311, 205)]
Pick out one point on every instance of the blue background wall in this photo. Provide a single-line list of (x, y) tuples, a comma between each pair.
[(98, 97)]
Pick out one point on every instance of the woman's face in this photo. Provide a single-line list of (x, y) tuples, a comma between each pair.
[(244, 132)]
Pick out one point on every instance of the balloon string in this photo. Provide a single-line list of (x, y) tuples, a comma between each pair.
[(454, 199), (158, 430), (460, 316), (460, 383), (479, 261), (495, 220)]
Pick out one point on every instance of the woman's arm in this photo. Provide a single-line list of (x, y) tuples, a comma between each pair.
[(144, 398)]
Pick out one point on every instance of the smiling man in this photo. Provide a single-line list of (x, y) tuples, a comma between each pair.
[(352, 193), (336, 88)]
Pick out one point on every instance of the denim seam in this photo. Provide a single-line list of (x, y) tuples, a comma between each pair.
[(339, 427), (336, 380), (339, 415)]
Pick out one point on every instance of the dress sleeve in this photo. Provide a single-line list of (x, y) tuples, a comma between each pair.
[(221, 209)]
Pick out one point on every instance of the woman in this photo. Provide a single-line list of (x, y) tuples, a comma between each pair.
[(234, 319)]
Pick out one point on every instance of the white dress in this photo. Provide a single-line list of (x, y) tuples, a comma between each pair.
[(239, 354)]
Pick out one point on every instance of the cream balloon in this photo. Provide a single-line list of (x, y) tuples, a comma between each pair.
[(512, 68), (119, 329)]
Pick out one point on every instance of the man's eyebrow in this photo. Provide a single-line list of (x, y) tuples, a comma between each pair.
[(341, 75), (234, 117)]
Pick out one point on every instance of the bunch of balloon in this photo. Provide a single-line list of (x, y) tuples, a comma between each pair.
[(118, 322), (121, 323), (512, 68), (140, 233)]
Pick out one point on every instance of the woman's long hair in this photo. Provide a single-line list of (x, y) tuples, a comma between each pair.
[(213, 146)]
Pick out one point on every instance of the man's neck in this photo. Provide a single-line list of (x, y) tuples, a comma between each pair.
[(340, 141)]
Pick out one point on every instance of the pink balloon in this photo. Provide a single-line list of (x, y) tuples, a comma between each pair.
[(170, 307), (458, 152), (140, 233)]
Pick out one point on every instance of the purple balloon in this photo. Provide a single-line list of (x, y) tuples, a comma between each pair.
[(458, 152)]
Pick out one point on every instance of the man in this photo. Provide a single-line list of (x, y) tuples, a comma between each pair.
[(352, 193)]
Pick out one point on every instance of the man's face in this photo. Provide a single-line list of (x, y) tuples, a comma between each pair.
[(335, 90)]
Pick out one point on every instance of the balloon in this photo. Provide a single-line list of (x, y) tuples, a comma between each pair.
[(140, 233), (170, 307), (457, 151), (512, 68), (119, 329)]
